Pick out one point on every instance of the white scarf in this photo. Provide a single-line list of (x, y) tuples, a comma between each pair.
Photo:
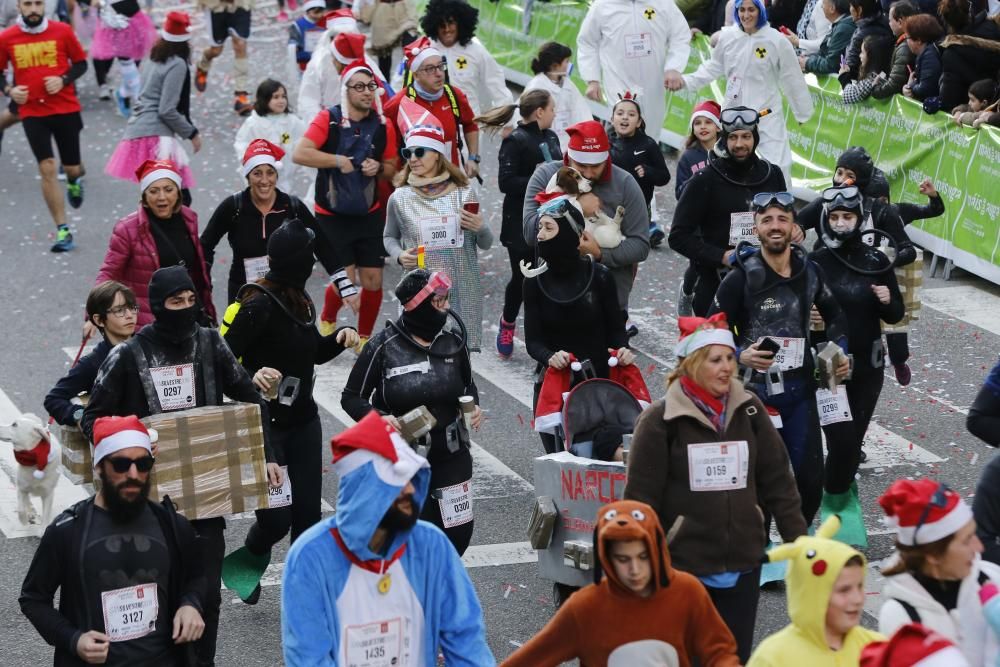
[(38, 29)]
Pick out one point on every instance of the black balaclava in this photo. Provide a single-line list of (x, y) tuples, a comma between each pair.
[(290, 254), (425, 321), (174, 325), (857, 159), (562, 252), (834, 239)]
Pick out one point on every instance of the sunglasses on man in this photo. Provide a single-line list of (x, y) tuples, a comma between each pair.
[(122, 464)]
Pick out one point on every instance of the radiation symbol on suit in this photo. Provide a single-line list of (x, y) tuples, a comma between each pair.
[(649, 13), (285, 138), (760, 52), (462, 62)]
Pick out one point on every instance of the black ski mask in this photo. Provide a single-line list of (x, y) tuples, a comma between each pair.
[(174, 325), (857, 159), (425, 321), (562, 252), (290, 254)]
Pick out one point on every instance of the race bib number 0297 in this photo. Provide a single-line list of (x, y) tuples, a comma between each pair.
[(174, 386)]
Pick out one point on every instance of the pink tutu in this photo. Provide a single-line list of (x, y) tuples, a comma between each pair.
[(131, 153), (133, 42)]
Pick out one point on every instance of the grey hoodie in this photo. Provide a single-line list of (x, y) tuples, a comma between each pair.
[(157, 114)]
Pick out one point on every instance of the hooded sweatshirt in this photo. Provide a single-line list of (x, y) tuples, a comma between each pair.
[(339, 597), (608, 624), (809, 585)]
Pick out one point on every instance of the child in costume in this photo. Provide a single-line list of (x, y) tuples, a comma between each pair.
[(272, 119), (643, 613), (826, 597)]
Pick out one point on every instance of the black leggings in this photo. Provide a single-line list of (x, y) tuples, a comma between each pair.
[(300, 447), (704, 292), (102, 67), (899, 347), (448, 469), (212, 539), (738, 608), (690, 279), (514, 292), (844, 439)]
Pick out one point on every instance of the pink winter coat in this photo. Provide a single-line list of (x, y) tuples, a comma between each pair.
[(132, 259)]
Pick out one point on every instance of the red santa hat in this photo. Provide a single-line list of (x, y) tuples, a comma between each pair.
[(153, 170), (418, 51), (923, 511), (709, 109), (315, 4), (38, 456), (176, 27), (348, 47), (341, 20), (355, 67), (699, 332), (555, 385), (629, 377), (113, 434), (588, 143), (261, 151), (913, 645), (420, 127), (373, 440)]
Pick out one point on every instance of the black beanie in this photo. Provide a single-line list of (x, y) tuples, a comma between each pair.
[(857, 159), (290, 254), (165, 283)]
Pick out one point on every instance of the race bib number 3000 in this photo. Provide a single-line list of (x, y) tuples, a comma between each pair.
[(441, 232), (378, 644), (718, 466), (174, 386), (130, 613), (456, 504), (742, 228)]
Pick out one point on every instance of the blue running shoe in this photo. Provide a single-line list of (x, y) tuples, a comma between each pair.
[(123, 105), (64, 240), (74, 193)]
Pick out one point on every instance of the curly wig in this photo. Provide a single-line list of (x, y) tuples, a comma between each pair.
[(438, 11)]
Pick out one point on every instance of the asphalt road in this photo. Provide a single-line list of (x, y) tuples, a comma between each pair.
[(918, 430)]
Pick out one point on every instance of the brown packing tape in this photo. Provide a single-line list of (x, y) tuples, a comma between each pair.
[(186, 460), (233, 454)]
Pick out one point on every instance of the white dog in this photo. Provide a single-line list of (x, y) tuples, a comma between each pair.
[(39, 466)]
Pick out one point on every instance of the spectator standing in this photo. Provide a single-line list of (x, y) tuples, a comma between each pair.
[(828, 58), (971, 51), (868, 20), (272, 119), (922, 33)]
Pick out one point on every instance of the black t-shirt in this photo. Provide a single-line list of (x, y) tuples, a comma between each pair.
[(118, 556)]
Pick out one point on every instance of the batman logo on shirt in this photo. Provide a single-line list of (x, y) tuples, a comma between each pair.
[(649, 13), (462, 62), (760, 52)]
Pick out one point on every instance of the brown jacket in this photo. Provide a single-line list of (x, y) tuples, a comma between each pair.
[(710, 532)]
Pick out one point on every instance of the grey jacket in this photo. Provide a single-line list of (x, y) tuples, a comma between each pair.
[(157, 114), (619, 190), (899, 73)]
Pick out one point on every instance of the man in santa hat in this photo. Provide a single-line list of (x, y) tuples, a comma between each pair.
[(589, 153), (353, 148), (372, 577), (339, 46), (118, 604), (426, 81)]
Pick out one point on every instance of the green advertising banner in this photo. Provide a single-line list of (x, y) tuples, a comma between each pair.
[(906, 143)]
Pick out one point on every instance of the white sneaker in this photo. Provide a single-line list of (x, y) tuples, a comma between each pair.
[(105, 92)]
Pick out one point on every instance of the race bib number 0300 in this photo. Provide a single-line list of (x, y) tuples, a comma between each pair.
[(718, 466), (174, 386), (378, 644), (130, 613), (742, 228), (441, 232), (456, 504)]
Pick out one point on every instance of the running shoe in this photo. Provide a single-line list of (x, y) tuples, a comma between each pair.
[(242, 105), (105, 92), (903, 375), (685, 303), (656, 235), (200, 79), (863, 458), (505, 338), (64, 240), (282, 16), (123, 105), (74, 193)]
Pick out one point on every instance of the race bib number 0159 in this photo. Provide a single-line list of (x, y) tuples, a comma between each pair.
[(174, 386), (718, 466), (130, 613)]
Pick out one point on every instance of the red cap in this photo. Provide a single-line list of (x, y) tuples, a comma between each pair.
[(709, 109), (418, 51), (112, 434), (348, 47), (913, 645)]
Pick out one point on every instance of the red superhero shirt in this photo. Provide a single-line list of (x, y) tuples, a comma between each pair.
[(36, 56), (319, 131), (441, 108)]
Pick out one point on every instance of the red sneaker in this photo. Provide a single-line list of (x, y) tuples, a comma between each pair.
[(200, 79)]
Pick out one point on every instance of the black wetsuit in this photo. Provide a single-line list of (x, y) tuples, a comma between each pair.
[(394, 375)]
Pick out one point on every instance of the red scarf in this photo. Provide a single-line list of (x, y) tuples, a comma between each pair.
[(712, 407), (37, 457), (376, 566)]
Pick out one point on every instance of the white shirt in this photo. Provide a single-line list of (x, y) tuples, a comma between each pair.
[(281, 129), (571, 105)]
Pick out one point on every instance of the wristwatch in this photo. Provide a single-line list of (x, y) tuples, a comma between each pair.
[(475, 157), (78, 415)]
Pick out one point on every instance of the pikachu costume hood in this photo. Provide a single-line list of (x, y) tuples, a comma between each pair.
[(814, 563)]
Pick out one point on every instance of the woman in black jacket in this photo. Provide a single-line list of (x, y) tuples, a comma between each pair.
[(970, 52), (275, 337), (531, 143)]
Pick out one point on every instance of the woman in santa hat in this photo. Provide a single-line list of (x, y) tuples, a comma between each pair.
[(936, 575), (162, 116), (162, 232), (710, 462), (433, 220)]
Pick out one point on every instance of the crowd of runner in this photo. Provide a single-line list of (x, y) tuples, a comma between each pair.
[(787, 315)]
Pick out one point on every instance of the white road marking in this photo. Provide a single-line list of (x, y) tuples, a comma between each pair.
[(968, 303), (481, 555), (66, 493), (886, 449)]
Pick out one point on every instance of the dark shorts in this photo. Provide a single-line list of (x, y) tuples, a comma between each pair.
[(224, 24), (355, 240), (64, 128)]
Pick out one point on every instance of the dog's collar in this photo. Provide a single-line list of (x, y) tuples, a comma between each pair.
[(36, 457)]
